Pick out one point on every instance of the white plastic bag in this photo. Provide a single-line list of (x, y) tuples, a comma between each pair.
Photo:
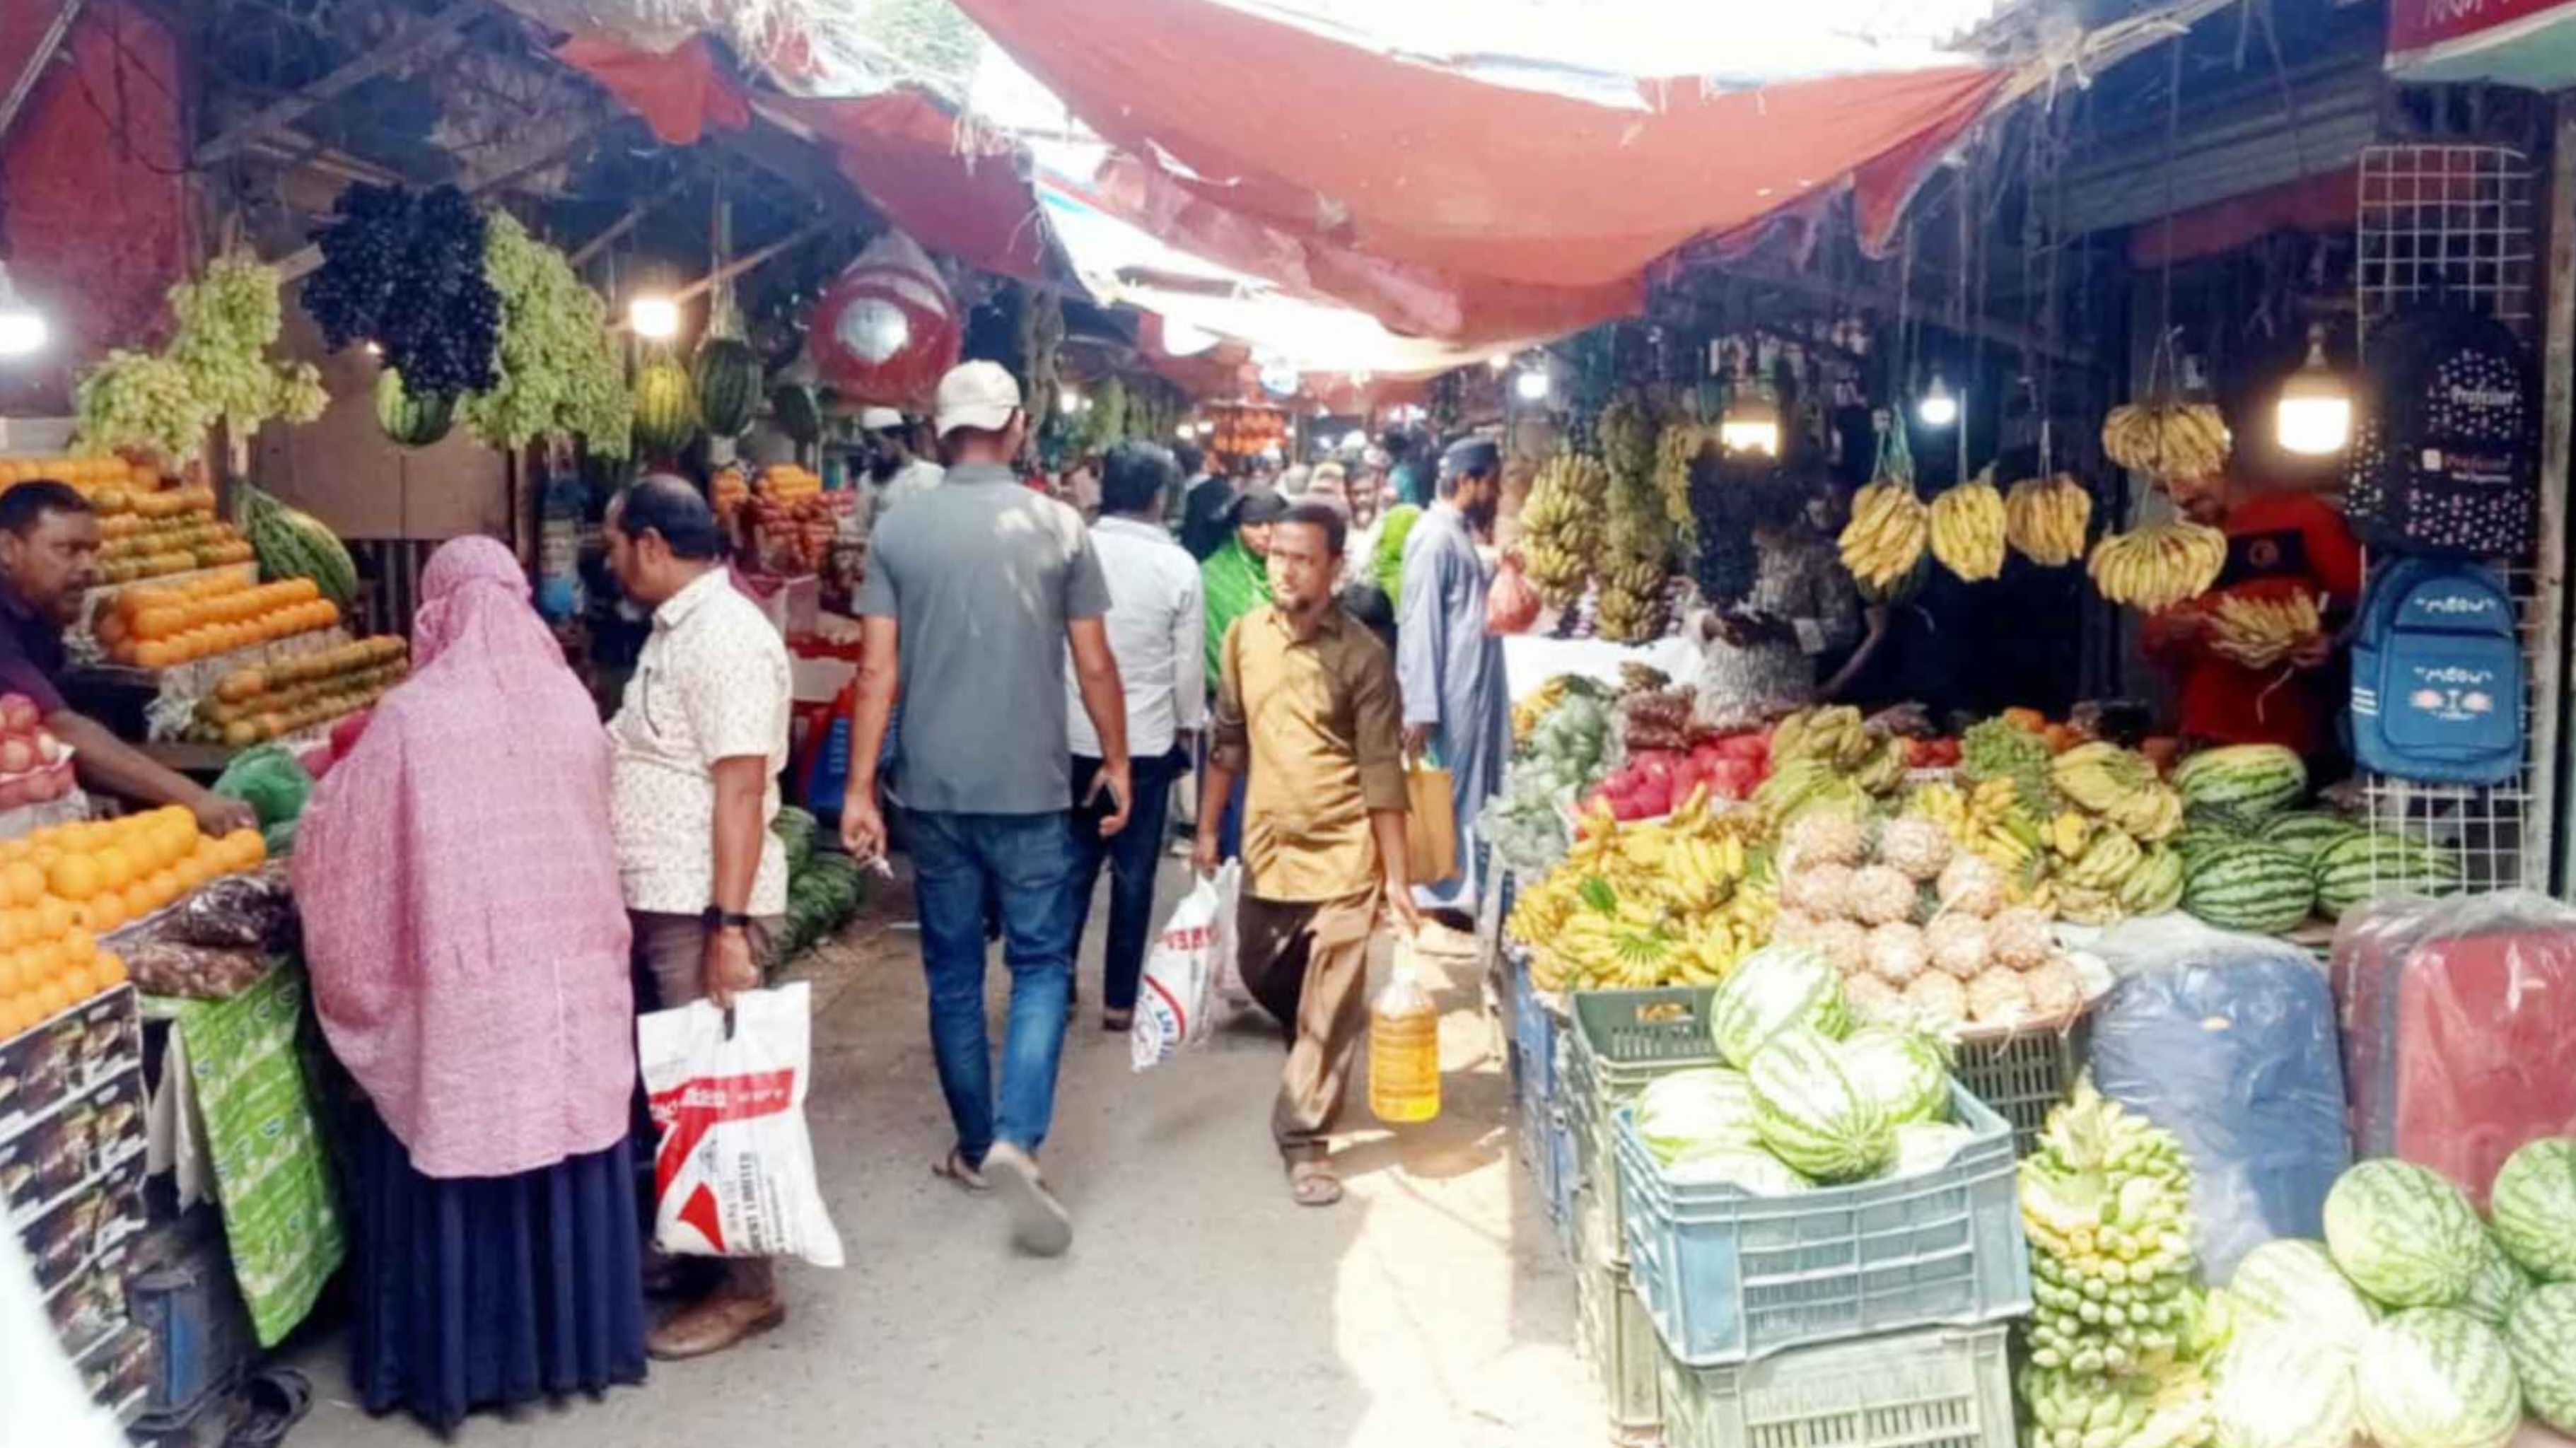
[(1183, 988), (734, 1174)]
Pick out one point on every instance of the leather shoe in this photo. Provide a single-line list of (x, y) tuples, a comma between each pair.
[(712, 1326)]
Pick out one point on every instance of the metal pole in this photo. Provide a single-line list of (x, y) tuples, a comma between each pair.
[(37, 59), (2549, 582)]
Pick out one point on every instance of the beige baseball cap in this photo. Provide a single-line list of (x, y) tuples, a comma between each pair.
[(979, 395)]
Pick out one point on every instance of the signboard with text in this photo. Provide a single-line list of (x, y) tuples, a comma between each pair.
[(2514, 42)]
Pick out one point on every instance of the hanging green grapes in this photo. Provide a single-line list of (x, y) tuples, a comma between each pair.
[(557, 372), (216, 369)]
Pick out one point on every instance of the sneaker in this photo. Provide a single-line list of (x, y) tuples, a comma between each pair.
[(1040, 1225)]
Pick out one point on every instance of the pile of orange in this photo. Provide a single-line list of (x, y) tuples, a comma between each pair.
[(158, 626), (86, 474), (111, 871)]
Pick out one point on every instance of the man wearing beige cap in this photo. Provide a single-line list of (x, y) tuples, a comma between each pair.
[(975, 590), (895, 472)]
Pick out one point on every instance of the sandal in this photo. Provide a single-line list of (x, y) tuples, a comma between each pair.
[(954, 1168), (273, 1400), (1313, 1184)]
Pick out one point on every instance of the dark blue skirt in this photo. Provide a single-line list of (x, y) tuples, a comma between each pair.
[(483, 1291)]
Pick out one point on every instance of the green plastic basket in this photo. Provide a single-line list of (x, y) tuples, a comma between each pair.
[(1618, 1043), (1944, 1388)]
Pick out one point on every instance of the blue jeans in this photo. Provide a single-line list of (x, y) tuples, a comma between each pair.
[(1132, 855), (960, 861)]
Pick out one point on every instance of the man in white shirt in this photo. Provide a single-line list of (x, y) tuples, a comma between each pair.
[(895, 471), (1157, 632)]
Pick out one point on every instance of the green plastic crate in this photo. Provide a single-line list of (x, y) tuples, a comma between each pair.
[(2024, 1075), (1944, 1388), (1617, 1043), (1618, 1341)]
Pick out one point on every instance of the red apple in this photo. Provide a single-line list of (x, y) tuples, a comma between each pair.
[(18, 756), (18, 713)]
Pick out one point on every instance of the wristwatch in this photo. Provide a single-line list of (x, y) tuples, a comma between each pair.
[(716, 917)]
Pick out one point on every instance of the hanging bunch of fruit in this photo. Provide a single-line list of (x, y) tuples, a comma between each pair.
[(2167, 439), (1726, 563), (558, 372), (2156, 566), (1638, 538), (2261, 632), (1967, 529), (1561, 525), (1886, 544), (2045, 520), (1677, 453), (216, 369), (405, 271)]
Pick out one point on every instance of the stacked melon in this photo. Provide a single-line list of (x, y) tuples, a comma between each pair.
[(2254, 862), (2413, 1323)]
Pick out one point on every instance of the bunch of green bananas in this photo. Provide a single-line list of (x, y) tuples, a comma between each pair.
[(2046, 519), (1833, 734), (2066, 1409), (1676, 449), (2159, 565), (1887, 534), (2106, 1205), (2167, 440), (1968, 530), (2105, 861), (2097, 775)]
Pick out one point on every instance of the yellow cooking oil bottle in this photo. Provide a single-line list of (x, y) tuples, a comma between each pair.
[(1404, 1047)]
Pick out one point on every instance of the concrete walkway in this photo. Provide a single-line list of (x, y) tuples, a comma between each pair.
[(1199, 1306)]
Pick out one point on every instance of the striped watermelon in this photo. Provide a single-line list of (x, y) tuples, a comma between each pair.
[(2278, 1388), (2305, 832), (2434, 1378), (2249, 886), (2498, 1286), (2251, 781), (1775, 987), (2533, 1206), (724, 378), (2291, 1282), (2373, 866), (2201, 836), (2403, 1234), (2541, 1336), (1903, 1070), (1816, 1114)]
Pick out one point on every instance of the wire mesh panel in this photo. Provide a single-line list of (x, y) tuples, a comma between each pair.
[(2456, 224)]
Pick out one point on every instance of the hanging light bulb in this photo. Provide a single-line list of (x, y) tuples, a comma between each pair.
[(655, 318), (2314, 415), (1531, 385), (1500, 361), (1939, 407), (22, 327), (1751, 422), (1068, 402)]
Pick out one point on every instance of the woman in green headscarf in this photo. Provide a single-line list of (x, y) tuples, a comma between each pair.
[(1236, 577)]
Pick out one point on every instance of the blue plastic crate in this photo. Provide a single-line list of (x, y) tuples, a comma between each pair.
[(1561, 1181), (1728, 1276)]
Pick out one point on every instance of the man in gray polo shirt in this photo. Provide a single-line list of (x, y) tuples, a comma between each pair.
[(974, 590)]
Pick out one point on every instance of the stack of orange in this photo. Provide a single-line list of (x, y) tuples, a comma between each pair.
[(65, 886), (161, 625), (85, 474)]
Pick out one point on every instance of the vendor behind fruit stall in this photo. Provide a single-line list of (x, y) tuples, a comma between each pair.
[(48, 554), (2280, 543)]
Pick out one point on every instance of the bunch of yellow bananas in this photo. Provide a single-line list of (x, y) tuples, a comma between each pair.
[(1888, 530), (1561, 525), (2045, 520), (1675, 451), (1645, 904), (2120, 786), (1968, 530), (1630, 606), (2000, 831), (2260, 632), (2167, 440), (2159, 565)]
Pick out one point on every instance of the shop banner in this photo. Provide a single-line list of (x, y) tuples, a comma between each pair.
[(2514, 42)]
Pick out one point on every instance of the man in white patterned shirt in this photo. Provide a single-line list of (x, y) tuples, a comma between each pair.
[(696, 751)]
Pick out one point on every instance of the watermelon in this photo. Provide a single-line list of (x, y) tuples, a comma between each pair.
[(2249, 886), (1903, 1071), (2403, 1234), (2155, 885), (2498, 1285), (2292, 1282), (792, 405), (2533, 1204), (2305, 832), (2202, 836), (666, 414), (2278, 1388), (1746, 1168), (725, 376), (2249, 781), (2373, 866), (2434, 1378), (410, 420), (1923, 1146), (291, 543), (1777, 986), (1816, 1115), (2541, 1337), (1689, 1112)]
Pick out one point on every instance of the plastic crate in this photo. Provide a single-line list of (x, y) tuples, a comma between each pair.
[(1552, 1161), (1617, 1043), (1536, 1029), (1729, 1276), (1947, 1388), (2025, 1074), (182, 1292), (1618, 1341)]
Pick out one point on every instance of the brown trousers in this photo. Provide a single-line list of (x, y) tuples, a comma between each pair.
[(1306, 962)]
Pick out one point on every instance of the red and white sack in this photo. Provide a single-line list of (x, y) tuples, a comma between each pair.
[(1184, 985), (734, 1174)]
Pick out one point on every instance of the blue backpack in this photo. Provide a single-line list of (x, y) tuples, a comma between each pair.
[(2437, 675)]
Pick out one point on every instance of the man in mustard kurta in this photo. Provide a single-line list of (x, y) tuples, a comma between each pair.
[(1307, 702)]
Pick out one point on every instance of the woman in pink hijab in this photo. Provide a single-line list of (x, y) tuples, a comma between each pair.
[(468, 949)]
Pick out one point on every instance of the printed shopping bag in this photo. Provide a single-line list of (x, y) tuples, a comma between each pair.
[(1183, 987), (734, 1174)]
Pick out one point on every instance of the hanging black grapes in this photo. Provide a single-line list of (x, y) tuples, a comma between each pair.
[(404, 270)]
